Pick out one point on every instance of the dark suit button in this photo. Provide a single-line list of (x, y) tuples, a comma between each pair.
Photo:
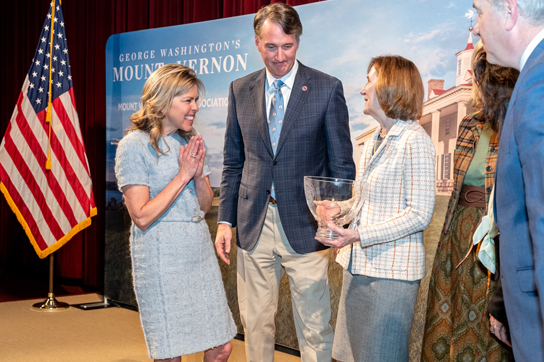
[(488, 168), (488, 189), (268, 192), (493, 149), (275, 163)]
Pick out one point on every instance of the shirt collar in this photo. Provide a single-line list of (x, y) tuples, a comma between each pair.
[(288, 79), (530, 48)]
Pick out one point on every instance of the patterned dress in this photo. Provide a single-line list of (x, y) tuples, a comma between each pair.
[(178, 285), (457, 323)]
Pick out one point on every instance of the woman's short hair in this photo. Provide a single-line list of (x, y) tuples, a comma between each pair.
[(495, 85), (280, 13), (165, 83), (399, 88)]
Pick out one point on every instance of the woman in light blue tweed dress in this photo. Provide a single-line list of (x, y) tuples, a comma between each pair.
[(161, 170)]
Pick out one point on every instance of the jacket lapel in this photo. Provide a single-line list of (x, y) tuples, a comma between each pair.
[(301, 88), (256, 89)]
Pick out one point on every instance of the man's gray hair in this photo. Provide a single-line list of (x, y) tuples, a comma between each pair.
[(532, 10)]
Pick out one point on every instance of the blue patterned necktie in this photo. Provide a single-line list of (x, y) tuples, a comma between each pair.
[(275, 119)]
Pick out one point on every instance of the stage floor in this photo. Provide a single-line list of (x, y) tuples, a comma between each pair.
[(104, 335)]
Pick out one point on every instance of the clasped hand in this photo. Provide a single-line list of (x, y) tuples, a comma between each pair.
[(191, 158), (328, 212)]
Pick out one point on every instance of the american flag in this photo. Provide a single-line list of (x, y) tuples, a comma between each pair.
[(44, 172)]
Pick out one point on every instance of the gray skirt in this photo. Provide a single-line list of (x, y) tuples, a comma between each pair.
[(374, 319)]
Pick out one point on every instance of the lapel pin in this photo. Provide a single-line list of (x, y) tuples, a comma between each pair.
[(304, 88)]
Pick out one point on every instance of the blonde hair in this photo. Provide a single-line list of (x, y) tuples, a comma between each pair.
[(165, 83), (476, 100)]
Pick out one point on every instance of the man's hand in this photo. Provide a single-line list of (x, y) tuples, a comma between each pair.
[(499, 330), (222, 241)]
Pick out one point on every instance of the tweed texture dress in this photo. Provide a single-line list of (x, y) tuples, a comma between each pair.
[(178, 285)]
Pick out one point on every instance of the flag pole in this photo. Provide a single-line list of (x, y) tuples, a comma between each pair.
[(50, 304)]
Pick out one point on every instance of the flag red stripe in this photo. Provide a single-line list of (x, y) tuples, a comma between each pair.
[(70, 132), (34, 188), (41, 117), (71, 176), (41, 158), (73, 98), (19, 101), (93, 204), (23, 209)]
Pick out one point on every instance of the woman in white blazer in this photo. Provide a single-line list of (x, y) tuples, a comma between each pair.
[(382, 252)]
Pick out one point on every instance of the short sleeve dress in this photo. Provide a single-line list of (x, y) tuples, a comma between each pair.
[(178, 285)]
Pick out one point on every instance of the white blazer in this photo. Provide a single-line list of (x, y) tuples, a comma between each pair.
[(393, 204)]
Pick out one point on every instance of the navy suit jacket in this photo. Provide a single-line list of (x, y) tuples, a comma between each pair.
[(314, 141), (519, 205)]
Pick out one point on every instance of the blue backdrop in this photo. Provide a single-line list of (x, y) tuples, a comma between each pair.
[(339, 38)]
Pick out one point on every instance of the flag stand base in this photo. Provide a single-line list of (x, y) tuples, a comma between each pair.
[(51, 304)]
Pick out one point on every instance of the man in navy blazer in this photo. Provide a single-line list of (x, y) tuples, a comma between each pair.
[(512, 32), (266, 157)]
